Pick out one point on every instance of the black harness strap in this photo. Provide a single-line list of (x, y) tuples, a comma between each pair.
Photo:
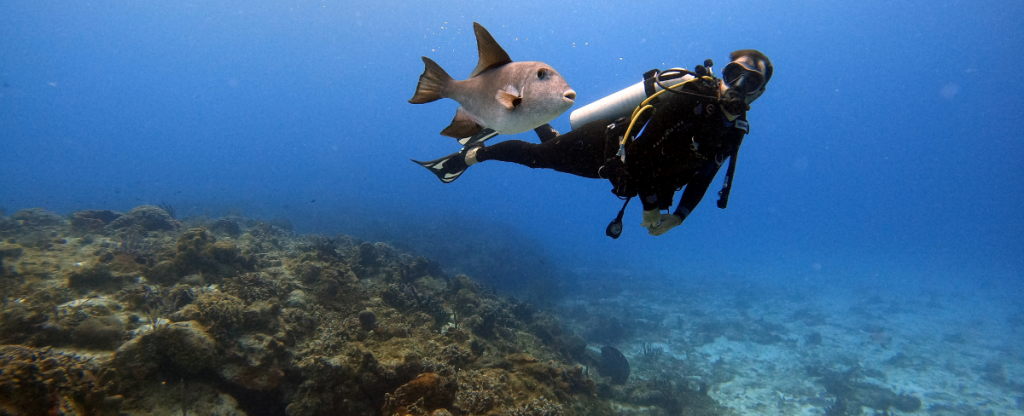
[(649, 81), (723, 195)]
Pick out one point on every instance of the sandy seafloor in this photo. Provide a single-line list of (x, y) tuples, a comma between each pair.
[(958, 351)]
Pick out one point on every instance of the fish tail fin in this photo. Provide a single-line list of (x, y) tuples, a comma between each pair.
[(431, 84)]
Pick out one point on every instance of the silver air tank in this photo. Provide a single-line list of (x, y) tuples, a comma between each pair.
[(623, 102)]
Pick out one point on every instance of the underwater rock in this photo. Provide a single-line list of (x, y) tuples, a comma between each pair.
[(226, 226), (164, 272), (98, 332), (669, 392), (252, 287), (260, 315), (44, 382), (428, 392), (11, 253), (995, 372), (93, 277), (182, 346), (484, 321), (186, 397), (323, 247), (220, 313), (198, 251), (456, 357), (145, 217), (813, 339), (93, 220), (367, 320), (193, 252), (366, 255), (20, 324), (900, 360), (357, 383), (253, 363), (37, 217), (423, 266), (296, 299), (316, 335), (856, 394), (613, 364), (906, 403)]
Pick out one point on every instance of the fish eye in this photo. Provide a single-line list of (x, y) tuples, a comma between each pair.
[(542, 73)]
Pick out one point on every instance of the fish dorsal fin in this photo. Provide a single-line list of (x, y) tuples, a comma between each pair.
[(491, 54), (462, 125)]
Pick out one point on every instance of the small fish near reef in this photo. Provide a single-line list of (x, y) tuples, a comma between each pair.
[(500, 96)]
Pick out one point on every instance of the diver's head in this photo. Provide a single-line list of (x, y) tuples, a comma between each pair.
[(747, 75)]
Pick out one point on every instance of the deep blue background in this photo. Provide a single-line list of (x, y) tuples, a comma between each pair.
[(887, 148)]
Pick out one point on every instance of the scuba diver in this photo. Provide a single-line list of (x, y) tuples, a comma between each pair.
[(684, 125)]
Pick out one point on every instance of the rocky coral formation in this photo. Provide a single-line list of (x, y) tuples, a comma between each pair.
[(852, 395), (245, 317), (44, 381)]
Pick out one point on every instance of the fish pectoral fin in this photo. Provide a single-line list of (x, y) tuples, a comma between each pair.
[(462, 125), (507, 99)]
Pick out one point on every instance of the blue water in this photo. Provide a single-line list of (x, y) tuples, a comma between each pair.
[(887, 148)]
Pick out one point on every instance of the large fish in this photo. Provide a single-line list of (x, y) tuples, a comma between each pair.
[(500, 96)]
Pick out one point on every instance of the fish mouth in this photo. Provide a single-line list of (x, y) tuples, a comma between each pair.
[(569, 96)]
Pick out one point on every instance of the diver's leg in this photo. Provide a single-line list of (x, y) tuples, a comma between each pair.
[(579, 152)]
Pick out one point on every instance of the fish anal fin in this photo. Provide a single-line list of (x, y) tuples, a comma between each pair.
[(507, 99), (462, 126), (491, 54)]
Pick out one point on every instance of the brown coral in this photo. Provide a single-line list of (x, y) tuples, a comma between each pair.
[(42, 382), (290, 333), (428, 392)]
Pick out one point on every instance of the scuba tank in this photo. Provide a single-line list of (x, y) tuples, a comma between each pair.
[(623, 102)]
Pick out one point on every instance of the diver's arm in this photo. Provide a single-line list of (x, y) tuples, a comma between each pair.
[(694, 192), (696, 189)]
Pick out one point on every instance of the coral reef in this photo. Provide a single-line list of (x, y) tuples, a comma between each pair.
[(43, 382), (140, 313), (851, 395)]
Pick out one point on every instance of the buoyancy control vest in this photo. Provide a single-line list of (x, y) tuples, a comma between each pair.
[(631, 99)]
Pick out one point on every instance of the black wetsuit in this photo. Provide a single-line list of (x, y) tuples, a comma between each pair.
[(686, 141)]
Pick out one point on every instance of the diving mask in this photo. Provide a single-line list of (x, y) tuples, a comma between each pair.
[(743, 77)]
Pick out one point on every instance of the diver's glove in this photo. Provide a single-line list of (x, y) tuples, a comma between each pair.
[(668, 222), (651, 219)]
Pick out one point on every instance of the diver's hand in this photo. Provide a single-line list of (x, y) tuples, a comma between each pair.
[(668, 222), (651, 219)]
